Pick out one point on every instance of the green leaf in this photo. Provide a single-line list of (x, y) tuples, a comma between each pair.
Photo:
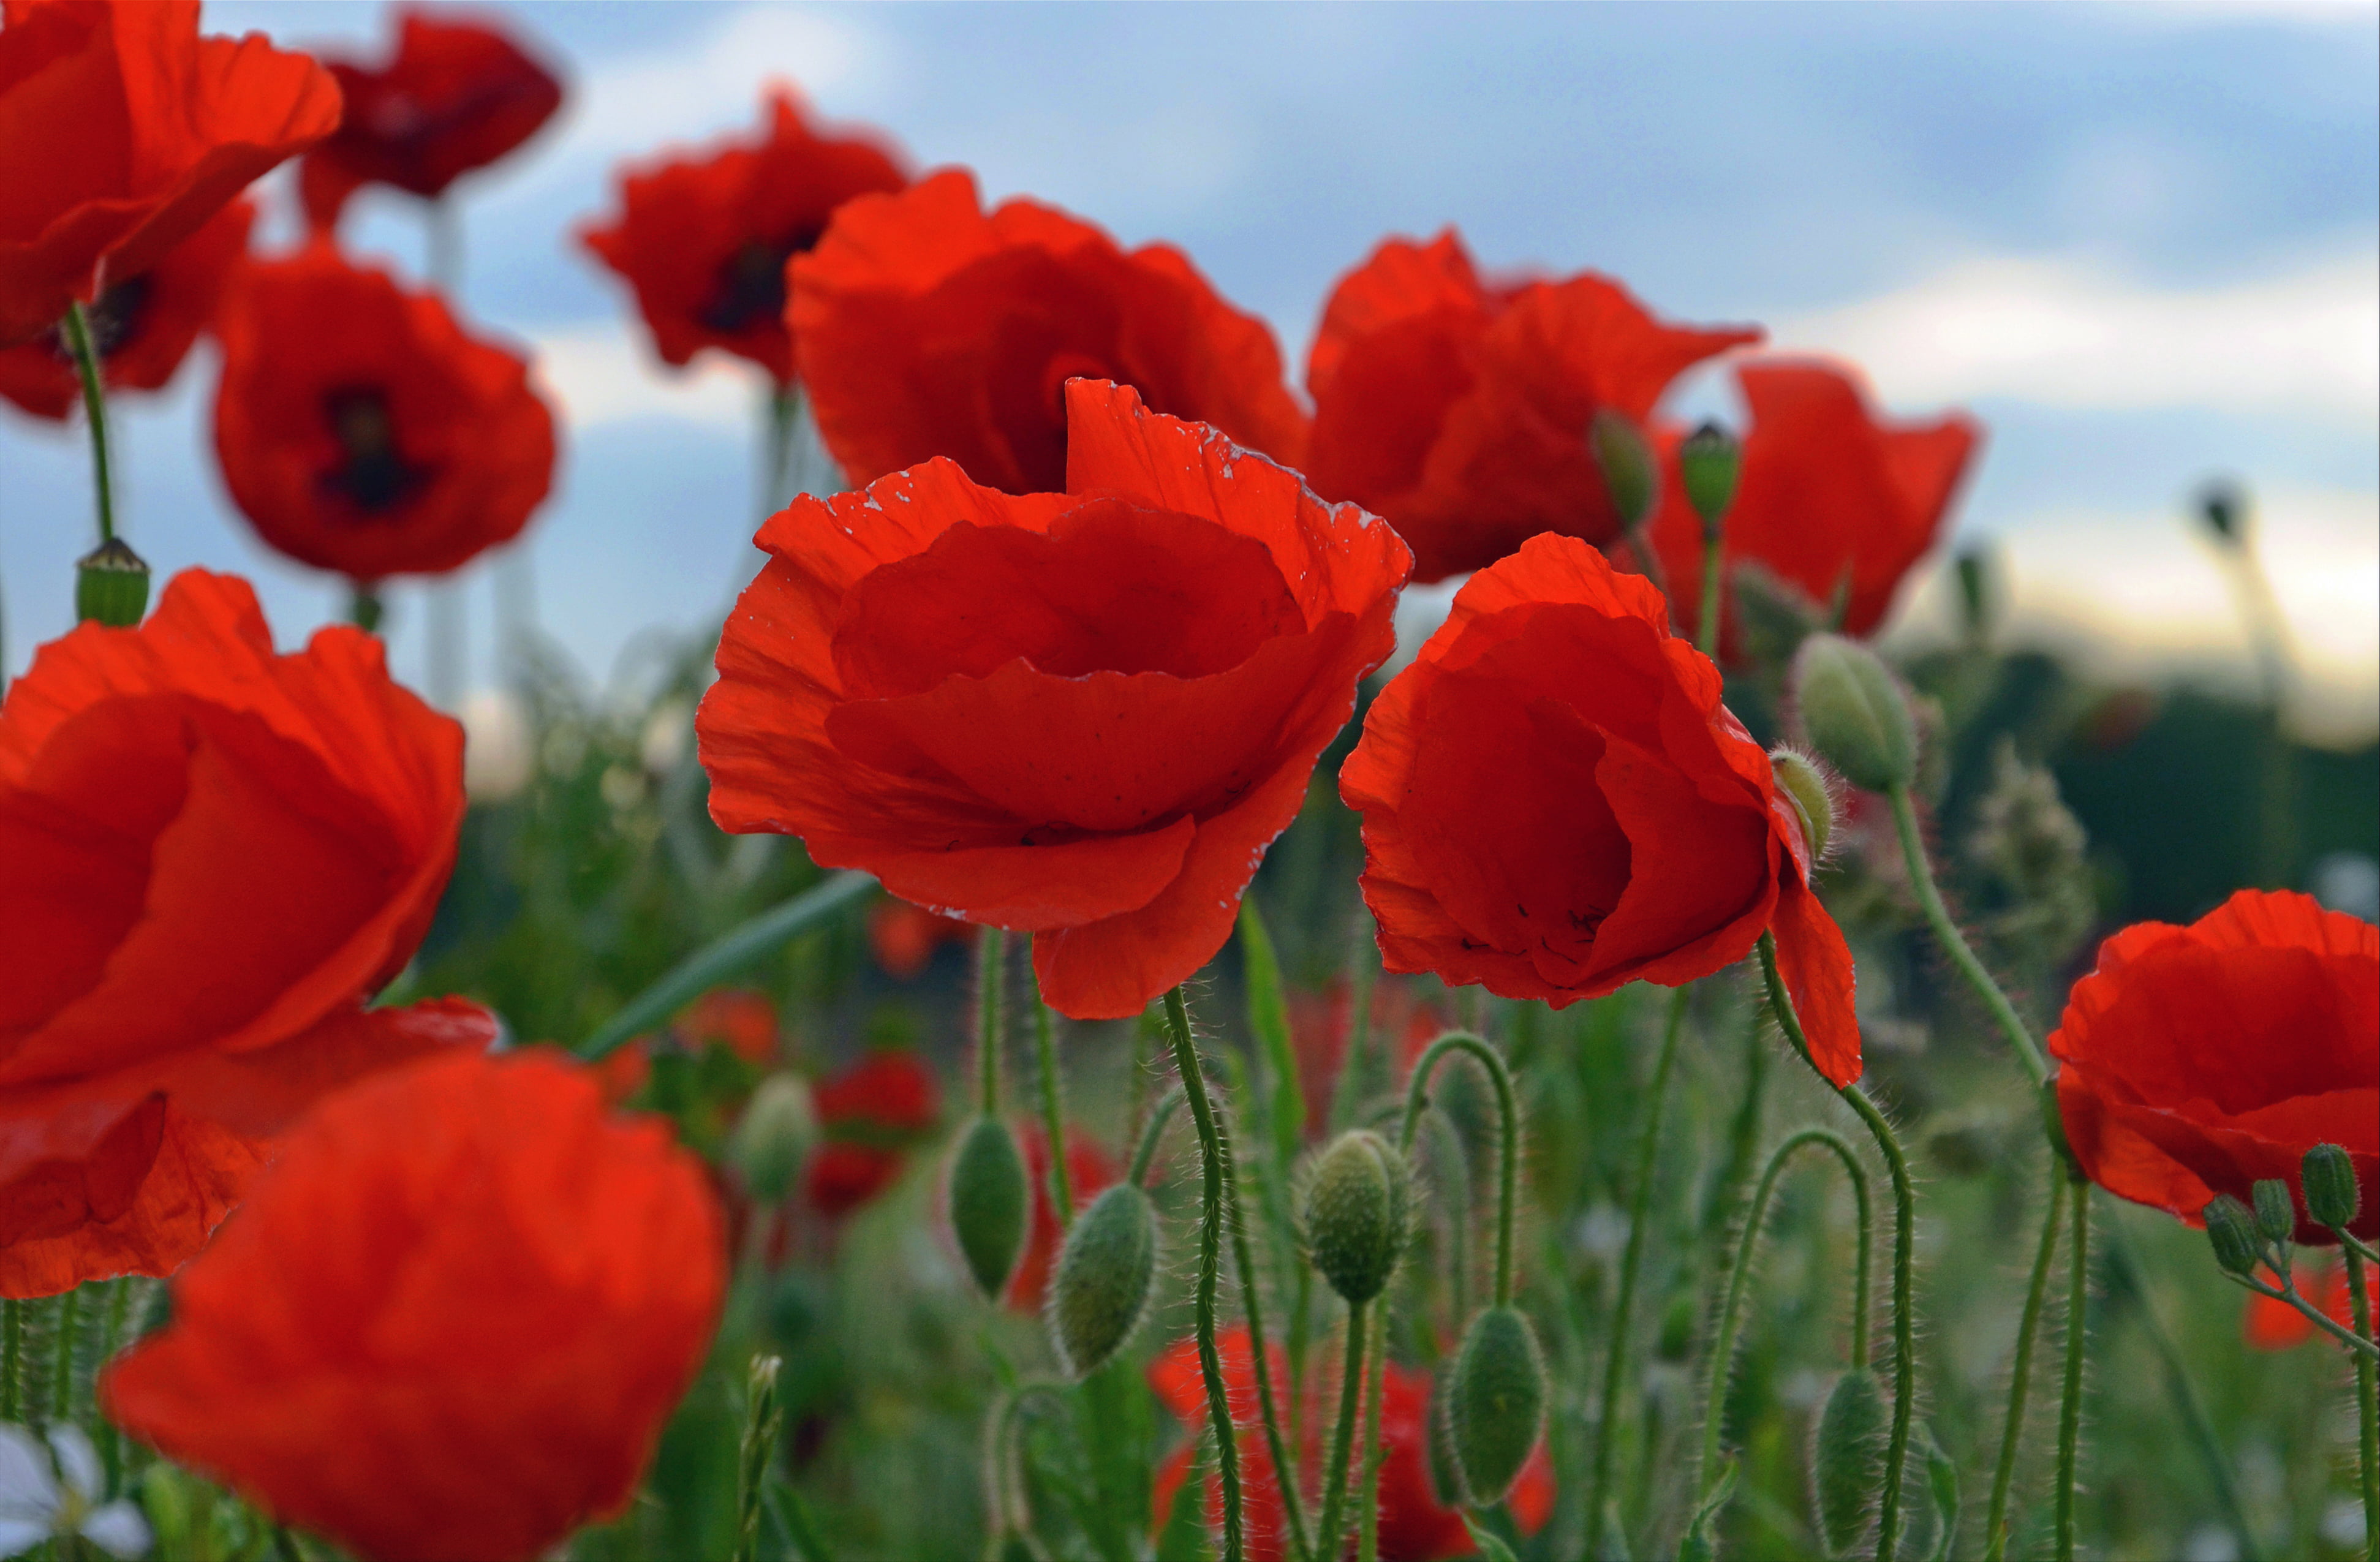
[(1269, 1017)]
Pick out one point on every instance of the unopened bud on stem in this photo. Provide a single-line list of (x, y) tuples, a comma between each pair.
[(1357, 1215), (2277, 1212), (1847, 1461), (111, 586), (773, 1137), (2231, 1229), (991, 1196), (1499, 1402), (2332, 1197), (1804, 785), (1625, 460), (1101, 1286), (1708, 464), (1855, 714)]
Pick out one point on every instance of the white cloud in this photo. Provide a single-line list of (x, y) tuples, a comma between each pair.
[(599, 374), (2074, 334)]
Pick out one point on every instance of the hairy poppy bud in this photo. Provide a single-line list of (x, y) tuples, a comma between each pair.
[(1847, 1461), (1499, 1402), (1708, 463), (1101, 1289), (1855, 714), (2277, 1212), (111, 586), (991, 1196), (2331, 1196), (1804, 785), (1626, 462), (773, 1137), (1357, 1214), (2231, 1227)]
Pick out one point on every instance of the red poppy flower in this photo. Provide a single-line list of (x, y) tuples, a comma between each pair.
[(141, 326), (1415, 1524), (360, 430), (2203, 1059), (1460, 410), (841, 1178), (869, 1113), (903, 936), (456, 96), (705, 241), (1318, 1024), (925, 326), (1556, 803), (736, 1018), (1080, 715), (1091, 1170), (450, 1322), (1829, 500), (210, 857), (121, 132), (2270, 1324)]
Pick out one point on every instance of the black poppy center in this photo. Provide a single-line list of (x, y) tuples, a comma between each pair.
[(115, 320), (372, 473), (750, 285)]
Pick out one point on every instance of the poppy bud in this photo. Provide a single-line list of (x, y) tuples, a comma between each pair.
[(1847, 1461), (1626, 462), (1975, 602), (2331, 1196), (1101, 1289), (2277, 1212), (1855, 714), (1708, 463), (773, 1137), (1357, 1214), (1804, 785), (2224, 508), (1499, 1402), (111, 586), (2231, 1227), (990, 1195)]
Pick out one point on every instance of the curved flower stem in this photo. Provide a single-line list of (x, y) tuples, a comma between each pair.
[(1723, 1345), (1210, 1253), (2288, 1292), (1954, 943), (2355, 1244), (2069, 1413), (1151, 1133), (1252, 1308), (2020, 1369), (2367, 1408), (1376, 1452), (992, 962), (94, 405), (1508, 1160), (1639, 1213), (1334, 1473), (1904, 1243), (1053, 1116)]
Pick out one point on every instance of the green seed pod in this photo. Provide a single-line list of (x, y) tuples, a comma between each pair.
[(1357, 1212), (1101, 1289), (1847, 1461), (990, 1198), (2231, 1227), (1855, 714), (2332, 1197), (1499, 1402), (1806, 786), (2276, 1212), (1708, 463), (1626, 462), (111, 586), (773, 1137)]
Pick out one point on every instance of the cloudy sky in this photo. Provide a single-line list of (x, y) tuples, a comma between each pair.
[(2141, 241)]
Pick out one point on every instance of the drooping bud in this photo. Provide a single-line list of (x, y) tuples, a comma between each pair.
[(1625, 460), (1499, 1402), (1855, 714), (991, 1196), (773, 1137), (2232, 1228), (111, 586), (1847, 1461), (1101, 1289), (1357, 1213), (2223, 509), (1708, 464), (2276, 1212), (1804, 785), (2332, 1197)]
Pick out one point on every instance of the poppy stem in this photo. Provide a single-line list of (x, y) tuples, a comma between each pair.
[(1334, 1473), (94, 406), (12, 1358), (1508, 1117), (1144, 1153), (1053, 1114), (1954, 943), (992, 961), (764, 1416), (1707, 625), (1210, 1254), (1905, 1245), (1367, 1544), (1640, 1213), (1251, 1306), (365, 609), (1354, 1064), (2069, 1413), (2288, 1292), (2367, 1407), (2021, 1368)]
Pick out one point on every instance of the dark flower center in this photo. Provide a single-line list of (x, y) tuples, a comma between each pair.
[(372, 475), (750, 285), (116, 320)]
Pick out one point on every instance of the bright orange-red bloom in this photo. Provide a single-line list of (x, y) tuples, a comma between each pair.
[(450, 1322), (210, 858), (1416, 1523), (1556, 803), (903, 936), (1081, 715), (1460, 410), (736, 1018), (1091, 1170), (141, 326), (2267, 1324), (1830, 501), (121, 132), (454, 96), (360, 430), (705, 241), (2203, 1059), (871, 1113), (925, 326)]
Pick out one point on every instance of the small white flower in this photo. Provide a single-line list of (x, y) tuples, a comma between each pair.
[(38, 1502)]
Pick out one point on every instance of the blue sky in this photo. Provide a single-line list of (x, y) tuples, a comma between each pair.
[(2141, 241)]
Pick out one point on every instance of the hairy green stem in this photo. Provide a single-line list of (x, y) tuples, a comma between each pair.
[(991, 963), (2367, 1408), (2020, 1369), (94, 405), (2069, 1411), (2288, 1292), (1707, 626), (1954, 943), (1452, 1167), (1334, 1473), (1508, 1118), (1251, 1307), (1368, 1517), (1145, 1151), (1210, 1254), (1053, 1114)]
